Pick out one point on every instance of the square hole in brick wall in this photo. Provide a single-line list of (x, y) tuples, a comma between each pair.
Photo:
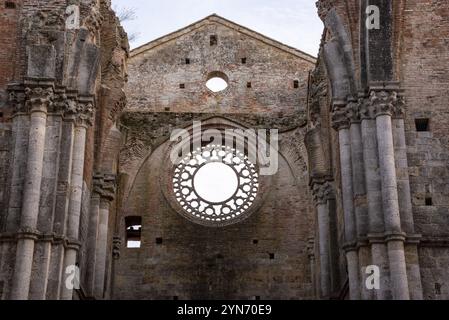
[(422, 125), (255, 241), (167, 108), (249, 85), (429, 201), (213, 40), (271, 256), (187, 61), (296, 84), (159, 240), (10, 5), (243, 60), (182, 86)]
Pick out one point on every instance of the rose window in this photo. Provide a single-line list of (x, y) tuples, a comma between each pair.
[(215, 185)]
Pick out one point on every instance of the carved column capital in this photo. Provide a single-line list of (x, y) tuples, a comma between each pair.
[(386, 102), (84, 111), (39, 98), (353, 111), (104, 186), (340, 118), (17, 98), (322, 192)]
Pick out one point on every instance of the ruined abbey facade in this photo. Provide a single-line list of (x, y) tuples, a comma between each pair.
[(92, 205)]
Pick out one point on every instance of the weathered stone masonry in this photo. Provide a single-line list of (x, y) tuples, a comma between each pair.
[(52, 113), (363, 166)]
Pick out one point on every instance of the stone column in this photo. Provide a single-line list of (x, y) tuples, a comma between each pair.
[(39, 96), (93, 234), (340, 122), (20, 128), (108, 194), (84, 118), (405, 201), (360, 204), (384, 103), (319, 195), (311, 255)]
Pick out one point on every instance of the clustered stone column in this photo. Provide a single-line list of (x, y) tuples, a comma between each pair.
[(96, 264), (341, 123), (371, 152), (39, 95), (376, 225), (83, 120)]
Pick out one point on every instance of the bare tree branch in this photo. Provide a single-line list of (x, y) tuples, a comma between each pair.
[(125, 13)]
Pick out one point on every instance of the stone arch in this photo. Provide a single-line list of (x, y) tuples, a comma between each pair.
[(338, 58)]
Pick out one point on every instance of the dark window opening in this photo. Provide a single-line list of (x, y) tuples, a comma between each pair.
[(255, 241), (422, 125), (133, 231), (271, 256), (243, 60), (213, 40), (296, 84), (175, 298), (429, 201), (158, 240), (257, 297), (1, 114), (249, 85), (167, 109), (187, 61), (10, 5), (182, 86)]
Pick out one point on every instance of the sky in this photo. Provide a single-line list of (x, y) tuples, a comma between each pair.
[(292, 22)]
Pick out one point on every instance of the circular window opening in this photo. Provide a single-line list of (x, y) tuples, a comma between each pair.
[(215, 182), (217, 81), (215, 185)]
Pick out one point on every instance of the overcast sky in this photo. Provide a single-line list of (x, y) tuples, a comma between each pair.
[(292, 22)]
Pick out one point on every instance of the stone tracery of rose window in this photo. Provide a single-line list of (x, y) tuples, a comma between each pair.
[(215, 184)]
